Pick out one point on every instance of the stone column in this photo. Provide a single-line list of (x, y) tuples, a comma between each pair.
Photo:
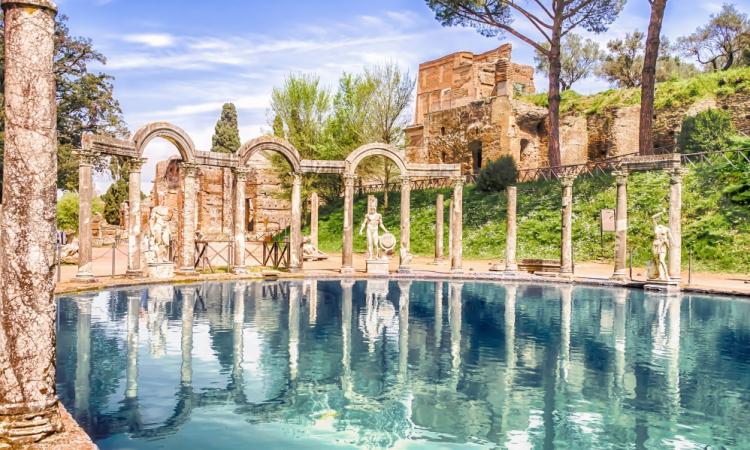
[(134, 231), (240, 177), (439, 221), (675, 223), (566, 250), (314, 206), (189, 205), (28, 400), (188, 313), (621, 226), (86, 194), (405, 253), (450, 230), (131, 373), (511, 265), (457, 226), (295, 238), (347, 257)]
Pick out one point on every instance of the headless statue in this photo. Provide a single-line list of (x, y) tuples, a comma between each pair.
[(660, 248)]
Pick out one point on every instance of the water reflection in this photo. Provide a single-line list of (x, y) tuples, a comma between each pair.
[(372, 364)]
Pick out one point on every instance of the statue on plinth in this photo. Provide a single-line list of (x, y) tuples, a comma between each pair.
[(374, 223), (160, 236), (660, 248)]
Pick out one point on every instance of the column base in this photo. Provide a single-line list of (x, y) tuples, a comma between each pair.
[(457, 270), (85, 277), (134, 273), (239, 270), (663, 287), (620, 276), (497, 267), (438, 261), (25, 426), (404, 269), (347, 271)]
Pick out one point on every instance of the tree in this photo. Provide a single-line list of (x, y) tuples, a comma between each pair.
[(302, 105), (550, 21), (718, 44), (85, 100), (648, 78), (392, 94), (497, 175), (116, 195), (579, 60), (226, 138)]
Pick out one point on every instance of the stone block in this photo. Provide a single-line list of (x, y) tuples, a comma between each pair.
[(377, 267)]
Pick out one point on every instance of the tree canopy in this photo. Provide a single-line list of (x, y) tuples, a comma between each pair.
[(579, 59), (720, 43), (226, 138)]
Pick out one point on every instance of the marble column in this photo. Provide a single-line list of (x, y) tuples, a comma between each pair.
[(28, 399), (85, 194), (450, 230), (135, 165), (566, 250), (314, 206), (457, 226), (295, 238), (131, 372), (189, 208), (621, 226), (511, 265), (240, 177), (439, 221), (188, 314), (405, 253), (675, 223), (347, 257)]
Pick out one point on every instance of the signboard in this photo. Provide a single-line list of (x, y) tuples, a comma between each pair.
[(607, 219)]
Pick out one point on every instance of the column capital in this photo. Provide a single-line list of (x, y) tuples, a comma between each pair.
[(621, 176), (676, 174), (457, 180), (297, 178), (86, 157), (136, 164), (41, 4), (191, 169), (405, 179), (567, 180), (349, 179), (241, 173)]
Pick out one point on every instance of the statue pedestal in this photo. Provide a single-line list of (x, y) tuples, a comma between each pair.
[(377, 267), (161, 271), (662, 287)]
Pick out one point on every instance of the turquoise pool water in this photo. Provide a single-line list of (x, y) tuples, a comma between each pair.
[(378, 364)]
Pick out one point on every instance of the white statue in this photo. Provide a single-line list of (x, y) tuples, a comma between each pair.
[(69, 252), (310, 252), (160, 235), (660, 248), (374, 222)]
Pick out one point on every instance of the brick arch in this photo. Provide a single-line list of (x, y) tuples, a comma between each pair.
[(365, 151), (270, 143), (172, 133)]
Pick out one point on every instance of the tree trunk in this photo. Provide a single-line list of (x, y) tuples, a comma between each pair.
[(553, 96), (648, 78)]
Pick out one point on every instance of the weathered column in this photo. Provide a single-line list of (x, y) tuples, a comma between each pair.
[(295, 238), (85, 194), (511, 266), (28, 400), (347, 257), (621, 226), (134, 231), (314, 206), (439, 221), (131, 373), (188, 313), (675, 223), (566, 250), (405, 253), (450, 230), (240, 177), (189, 205), (457, 226)]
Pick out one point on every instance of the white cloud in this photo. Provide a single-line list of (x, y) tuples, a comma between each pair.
[(156, 40)]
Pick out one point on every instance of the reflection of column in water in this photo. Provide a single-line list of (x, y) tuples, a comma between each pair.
[(157, 321), (454, 320), (188, 312), (438, 312), (83, 358), (237, 331), (621, 296), (566, 306), (403, 330), (131, 374), (293, 329), (313, 301), (510, 351), (673, 348), (346, 337)]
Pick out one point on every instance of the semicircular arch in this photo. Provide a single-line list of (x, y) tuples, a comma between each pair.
[(172, 133), (365, 151), (270, 143)]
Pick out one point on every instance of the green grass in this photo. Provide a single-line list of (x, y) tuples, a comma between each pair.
[(716, 230), (669, 94)]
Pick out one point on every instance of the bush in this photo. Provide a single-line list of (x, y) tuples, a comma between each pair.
[(706, 131), (498, 175)]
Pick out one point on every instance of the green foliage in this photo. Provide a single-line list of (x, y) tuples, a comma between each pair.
[(719, 44), (115, 196), (226, 138), (706, 131), (497, 175), (67, 212), (578, 60)]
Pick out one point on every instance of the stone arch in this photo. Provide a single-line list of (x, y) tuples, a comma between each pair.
[(270, 143), (387, 150), (174, 134)]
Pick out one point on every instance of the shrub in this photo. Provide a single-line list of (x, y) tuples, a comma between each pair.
[(498, 175), (708, 130), (67, 212)]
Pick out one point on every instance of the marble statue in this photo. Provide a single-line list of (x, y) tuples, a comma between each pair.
[(69, 252), (660, 249), (373, 222), (310, 252), (160, 235)]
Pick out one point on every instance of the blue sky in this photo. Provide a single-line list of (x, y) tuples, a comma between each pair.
[(179, 61)]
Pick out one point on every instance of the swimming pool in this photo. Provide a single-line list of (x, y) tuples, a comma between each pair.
[(379, 364)]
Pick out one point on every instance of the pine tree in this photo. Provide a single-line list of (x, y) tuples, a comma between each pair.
[(226, 135)]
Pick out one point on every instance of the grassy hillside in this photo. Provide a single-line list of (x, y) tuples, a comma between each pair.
[(716, 219), (668, 94)]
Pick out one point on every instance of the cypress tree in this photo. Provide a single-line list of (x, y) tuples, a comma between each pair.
[(227, 134)]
